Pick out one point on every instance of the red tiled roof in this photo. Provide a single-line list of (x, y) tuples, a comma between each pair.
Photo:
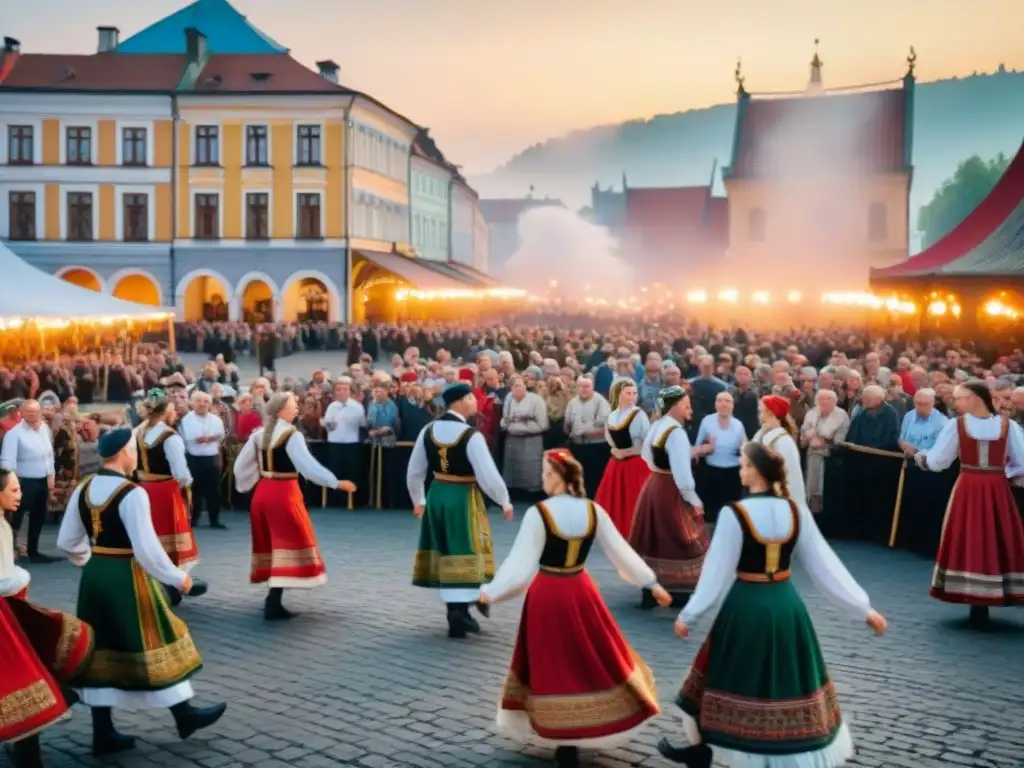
[(258, 73), (976, 242), (864, 130), (100, 71), (677, 208)]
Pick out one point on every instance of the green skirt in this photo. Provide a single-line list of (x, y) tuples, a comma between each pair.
[(759, 684), (455, 549), (140, 644)]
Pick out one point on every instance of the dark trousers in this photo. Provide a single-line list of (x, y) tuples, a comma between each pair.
[(206, 472), (348, 462), (35, 495)]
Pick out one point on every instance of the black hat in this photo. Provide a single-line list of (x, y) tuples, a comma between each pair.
[(455, 392), (113, 442)]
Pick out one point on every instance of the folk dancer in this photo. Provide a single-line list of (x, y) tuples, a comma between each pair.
[(204, 435), (456, 554), (163, 475), (145, 656), (778, 432), (569, 647), (980, 561), (28, 452), (42, 650), (285, 554), (668, 527), (626, 473), (759, 692)]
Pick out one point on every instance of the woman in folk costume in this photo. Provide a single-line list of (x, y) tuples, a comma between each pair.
[(162, 475), (668, 526), (42, 650), (574, 680), (284, 549), (778, 432), (145, 656), (759, 694), (981, 554), (626, 473)]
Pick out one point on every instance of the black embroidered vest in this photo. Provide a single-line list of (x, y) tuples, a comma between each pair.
[(103, 521), (153, 458), (761, 559), (621, 438), (275, 462), (659, 453), (451, 459), (561, 554)]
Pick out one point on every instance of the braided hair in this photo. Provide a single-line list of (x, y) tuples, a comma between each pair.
[(770, 465)]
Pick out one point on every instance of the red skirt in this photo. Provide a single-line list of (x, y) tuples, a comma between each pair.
[(284, 548), (171, 521), (40, 648), (620, 487), (668, 534), (573, 677), (981, 555)]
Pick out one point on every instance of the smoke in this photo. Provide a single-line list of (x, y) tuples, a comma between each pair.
[(563, 256)]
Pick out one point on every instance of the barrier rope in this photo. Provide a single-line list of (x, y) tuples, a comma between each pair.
[(894, 528)]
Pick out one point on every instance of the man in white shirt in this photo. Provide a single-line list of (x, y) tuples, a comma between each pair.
[(203, 433), (345, 451), (28, 452)]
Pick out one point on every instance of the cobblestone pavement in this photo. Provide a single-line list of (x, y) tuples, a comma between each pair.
[(365, 675)]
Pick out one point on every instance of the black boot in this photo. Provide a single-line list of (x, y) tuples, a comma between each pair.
[(25, 753), (695, 756), (105, 738), (273, 610), (979, 618), (472, 625), (460, 623), (70, 697), (173, 595), (567, 757), (484, 609), (190, 719), (647, 601)]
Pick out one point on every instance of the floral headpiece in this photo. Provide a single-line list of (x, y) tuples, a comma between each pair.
[(560, 455)]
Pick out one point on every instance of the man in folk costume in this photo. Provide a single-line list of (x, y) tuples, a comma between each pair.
[(144, 656), (456, 554)]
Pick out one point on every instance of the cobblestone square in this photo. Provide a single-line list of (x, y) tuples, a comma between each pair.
[(365, 675)]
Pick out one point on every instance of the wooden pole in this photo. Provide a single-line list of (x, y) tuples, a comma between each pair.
[(899, 503), (172, 342)]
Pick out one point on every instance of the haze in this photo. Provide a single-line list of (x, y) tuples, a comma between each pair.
[(491, 78)]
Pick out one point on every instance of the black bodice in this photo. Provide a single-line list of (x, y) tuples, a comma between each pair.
[(659, 453), (103, 522), (621, 438), (449, 458), (275, 462), (563, 554), (764, 559), (153, 458)]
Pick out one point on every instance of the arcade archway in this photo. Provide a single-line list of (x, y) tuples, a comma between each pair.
[(82, 277), (257, 302), (141, 289), (309, 297), (205, 297)]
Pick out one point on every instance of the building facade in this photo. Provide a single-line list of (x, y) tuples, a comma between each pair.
[(465, 210), (481, 239), (431, 189)]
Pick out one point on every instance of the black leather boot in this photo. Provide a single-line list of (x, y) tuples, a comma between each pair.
[(190, 719), (105, 738), (25, 753), (567, 757), (694, 756), (70, 697), (979, 618), (460, 623), (173, 596), (472, 625), (273, 610), (647, 601)]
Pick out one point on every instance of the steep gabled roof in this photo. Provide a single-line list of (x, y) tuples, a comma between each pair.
[(226, 30), (988, 242), (95, 72)]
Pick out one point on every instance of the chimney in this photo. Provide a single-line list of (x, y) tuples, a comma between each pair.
[(11, 45), (108, 39), (328, 70), (195, 45)]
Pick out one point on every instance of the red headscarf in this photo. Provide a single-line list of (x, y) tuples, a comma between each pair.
[(466, 374), (409, 376), (777, 405), (559, 455)]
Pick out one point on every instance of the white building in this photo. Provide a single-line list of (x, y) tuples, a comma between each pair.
[(430, 187)]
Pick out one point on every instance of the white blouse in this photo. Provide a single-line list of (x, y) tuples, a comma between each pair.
[(637, 429), (247, 467), (778, 439), (571, 516), (13, 578), (174, 450), (679, 457), (137, 518), (772, 518), (947, 445)]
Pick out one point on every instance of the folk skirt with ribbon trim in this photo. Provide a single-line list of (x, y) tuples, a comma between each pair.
[(668, 534), (285, 553), (620, 488), (172, 522)]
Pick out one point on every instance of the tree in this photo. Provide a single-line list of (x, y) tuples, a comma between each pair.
[(959, 195)]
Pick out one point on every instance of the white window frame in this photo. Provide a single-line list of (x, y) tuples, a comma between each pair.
[(295, 213), (245, 144), (5, 209), (219, 194), (148, 125), (193, 144), (150, 192), (37, 139), (245, 213), (65, 190), (295, 142)]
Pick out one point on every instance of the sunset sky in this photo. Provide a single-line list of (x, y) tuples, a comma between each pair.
[(490, 77)]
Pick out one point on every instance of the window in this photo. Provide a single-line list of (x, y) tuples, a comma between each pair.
[(136, 218), (257, 216), (79, 146), (22, 216), (878, 223), (756, 224), (256, 152), (133, 146), (79, 215), (207, 145), (20, 145), (207, 222), (309, 145), (309, 216)]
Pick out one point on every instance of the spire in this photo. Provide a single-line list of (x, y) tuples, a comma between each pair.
[(911, 63), (624, 185), (816, 64), (740, 90)]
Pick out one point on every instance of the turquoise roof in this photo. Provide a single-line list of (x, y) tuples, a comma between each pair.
[(226, 30)]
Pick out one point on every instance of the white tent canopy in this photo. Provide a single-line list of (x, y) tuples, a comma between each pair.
[(28, 293)]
